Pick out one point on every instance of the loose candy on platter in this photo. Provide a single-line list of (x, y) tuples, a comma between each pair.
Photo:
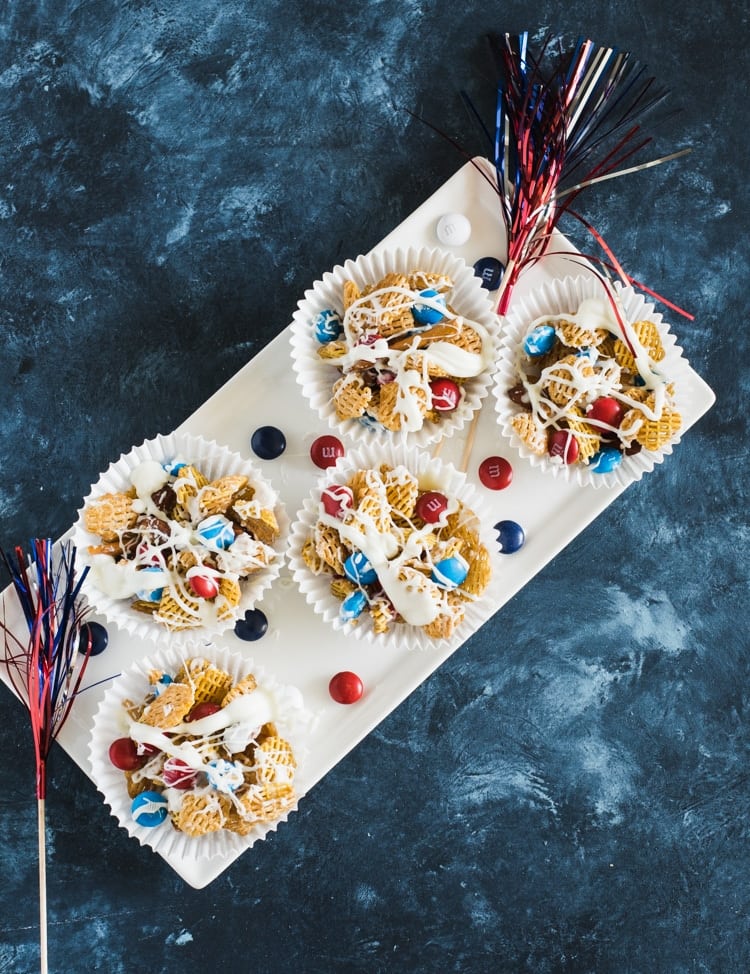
[(178, 546), (346, 687), (252, 626), (268, 442), (495, 473), (453, 229), (591, 388), (326, 450), (399, 555), (490, 271), (205, 754), (94, 633), (511, 537)]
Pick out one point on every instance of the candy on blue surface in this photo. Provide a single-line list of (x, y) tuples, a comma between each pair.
[(540, 340), (359, 570), (268, 442), (216, 531), (490, 271), (327, 326), (510, 536), (605, 461), (98, 635), (450, 572), (150, 594), (253, 626), (453, 229), (353, 605), (424, 314), (149, 809)]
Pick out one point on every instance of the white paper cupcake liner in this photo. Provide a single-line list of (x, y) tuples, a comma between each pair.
[(214, 461), (111, 722), (317, 377), (558, 297), (432, 474)]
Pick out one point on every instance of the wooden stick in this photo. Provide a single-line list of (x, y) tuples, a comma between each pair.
[(42, 887)]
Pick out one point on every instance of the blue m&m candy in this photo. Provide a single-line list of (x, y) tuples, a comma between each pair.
[(450, 572), (252, 626), (353, 606), (173, 467), (424, 314), (358, 568), (510, 536), (225, 776), (539, 340), (149, 809), (162, 683), (216, 531), (268, 442), (94, 633), (327, 326), (150, 594), (489, 270), (606, 460)]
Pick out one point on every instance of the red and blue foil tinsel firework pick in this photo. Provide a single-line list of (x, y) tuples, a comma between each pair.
[(557, 131), (46, 669)]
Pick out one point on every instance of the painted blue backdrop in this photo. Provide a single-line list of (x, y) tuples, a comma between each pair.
[(570, 792)]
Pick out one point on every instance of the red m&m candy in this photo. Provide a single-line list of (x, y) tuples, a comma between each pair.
[(204, 586), (123, 753), (325, 451), (337, 498), (200, 710), (178, 774), (495, 473), (430, 506), (563, 444), (607, 410), (346, 687), (446, 395)]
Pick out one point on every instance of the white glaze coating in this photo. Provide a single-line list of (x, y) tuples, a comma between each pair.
[(122, 578), (402, 555), (367, 349), (592, 375)]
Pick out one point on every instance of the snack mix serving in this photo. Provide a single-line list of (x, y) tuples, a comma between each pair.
[(591, 390), (203, 752), (397, 554), (403, 354), (178, 545)]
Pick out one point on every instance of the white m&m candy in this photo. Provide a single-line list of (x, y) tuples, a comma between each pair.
[(453, 229)]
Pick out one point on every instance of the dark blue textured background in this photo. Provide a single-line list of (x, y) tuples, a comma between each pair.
[(570, 792)]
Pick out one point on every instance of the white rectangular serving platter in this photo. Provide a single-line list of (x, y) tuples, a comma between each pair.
[(299, 648)]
